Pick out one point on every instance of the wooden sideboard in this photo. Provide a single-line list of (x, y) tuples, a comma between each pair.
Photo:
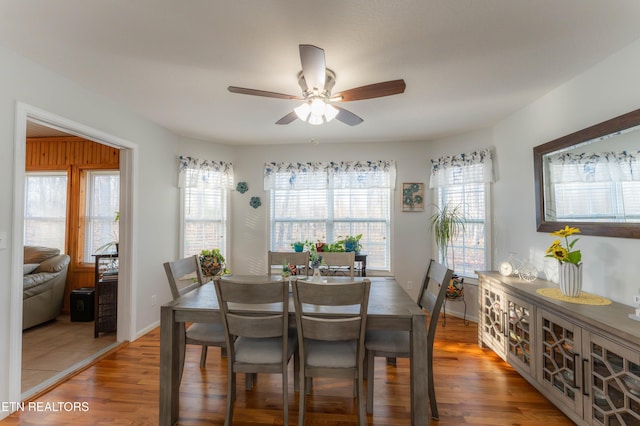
[(585, 359)]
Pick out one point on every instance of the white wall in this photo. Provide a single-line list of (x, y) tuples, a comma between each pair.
[(156, 201), (411, 246), (605, 91), (609, 89)]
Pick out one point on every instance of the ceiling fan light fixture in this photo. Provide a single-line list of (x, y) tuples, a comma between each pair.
[(318, 106), (303, 111), (330, 112), (315, 119)]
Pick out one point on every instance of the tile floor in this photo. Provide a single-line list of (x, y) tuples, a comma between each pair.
[(52, 349)]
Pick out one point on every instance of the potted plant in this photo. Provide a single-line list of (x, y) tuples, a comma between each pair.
[(299, 246), (114, 243), (351, 243), (446, 224), (212, 262)]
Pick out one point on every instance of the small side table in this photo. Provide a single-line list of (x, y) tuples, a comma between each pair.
[(454, 294), (106, 293), (362, 258)]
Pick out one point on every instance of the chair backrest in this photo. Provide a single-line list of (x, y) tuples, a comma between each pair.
[(316, 319), (433, 293), (183, 269), (339, 259), (296, 258), (249, 319)]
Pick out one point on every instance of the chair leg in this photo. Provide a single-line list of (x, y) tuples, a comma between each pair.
[(203, 356), (181, 354), (250, 380), (370, 377), (432, 389), (464, 317), (296, 372), (444, 312), (285, 396), (362, 412), (302, 399), (231, 397)]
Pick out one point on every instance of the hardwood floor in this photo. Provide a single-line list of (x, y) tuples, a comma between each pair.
[(473, 386), (53, 348)]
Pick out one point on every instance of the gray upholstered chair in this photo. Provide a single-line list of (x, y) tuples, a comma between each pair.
[(258, 341), (185, 275), (397, 344), (331, 347), (296, 258), (339, 263)]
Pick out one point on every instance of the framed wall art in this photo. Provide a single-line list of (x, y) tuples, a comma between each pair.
[(412, 197)]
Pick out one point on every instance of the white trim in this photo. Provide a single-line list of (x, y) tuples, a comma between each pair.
[(128, 240), (147, 329)]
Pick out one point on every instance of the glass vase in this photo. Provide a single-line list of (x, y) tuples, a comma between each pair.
[(316, 278)]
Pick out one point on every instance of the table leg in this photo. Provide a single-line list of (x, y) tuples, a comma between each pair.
[(169, 366), (419, 369)]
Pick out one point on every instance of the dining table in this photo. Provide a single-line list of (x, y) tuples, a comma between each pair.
[(390, 308)]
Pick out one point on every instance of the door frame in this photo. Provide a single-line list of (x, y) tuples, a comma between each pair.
[(126, 324)]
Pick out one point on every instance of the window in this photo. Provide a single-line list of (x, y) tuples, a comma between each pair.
[(593, 187), (204, 188), (316, 201), (45, 210), (102, 204), (463, 181)]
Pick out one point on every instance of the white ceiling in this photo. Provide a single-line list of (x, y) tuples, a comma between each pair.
[(466, 63)]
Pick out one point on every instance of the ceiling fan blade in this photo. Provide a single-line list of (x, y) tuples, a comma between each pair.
[(347, 117), (254, 92), (288, 118), (313, 66), (376, 90)]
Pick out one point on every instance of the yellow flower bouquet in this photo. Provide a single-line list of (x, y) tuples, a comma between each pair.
[(565, 254)]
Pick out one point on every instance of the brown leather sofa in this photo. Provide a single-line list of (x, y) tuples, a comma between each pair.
[(45, 276)]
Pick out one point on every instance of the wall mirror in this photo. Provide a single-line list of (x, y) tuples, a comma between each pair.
[(590, 179)]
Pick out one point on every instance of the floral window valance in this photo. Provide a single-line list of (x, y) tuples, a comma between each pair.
[(344, 174), (472, 167), (621, 166), (193, 173)]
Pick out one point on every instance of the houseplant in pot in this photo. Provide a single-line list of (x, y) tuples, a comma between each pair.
[(446, 224), (351, 243), (212, 262)]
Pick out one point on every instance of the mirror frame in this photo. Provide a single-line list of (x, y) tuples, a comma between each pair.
[(605, 229)]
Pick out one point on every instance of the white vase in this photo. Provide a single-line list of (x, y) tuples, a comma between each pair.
[(570, 279), (316, 278)]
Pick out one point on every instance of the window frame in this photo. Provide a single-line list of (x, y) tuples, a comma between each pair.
[(224, 247), (438, 196), (66, 173), (331, 221), (86, 219)]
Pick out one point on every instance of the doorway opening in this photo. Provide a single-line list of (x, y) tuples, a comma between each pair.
[(35, 366)]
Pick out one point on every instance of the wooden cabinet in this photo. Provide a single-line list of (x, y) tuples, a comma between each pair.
[(505, 326), (106, 285), (584, 359)]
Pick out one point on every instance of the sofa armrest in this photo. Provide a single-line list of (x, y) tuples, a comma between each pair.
[(54, 264)]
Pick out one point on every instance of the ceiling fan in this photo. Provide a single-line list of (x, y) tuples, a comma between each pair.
[(316, 82)]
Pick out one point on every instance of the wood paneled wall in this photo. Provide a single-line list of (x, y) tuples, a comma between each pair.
[(75, 155)]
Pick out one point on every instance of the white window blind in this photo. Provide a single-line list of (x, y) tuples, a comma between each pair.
[(102, 204), (326, 201), (594, 187), (463, 181), (45, 210), (205, 187)]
